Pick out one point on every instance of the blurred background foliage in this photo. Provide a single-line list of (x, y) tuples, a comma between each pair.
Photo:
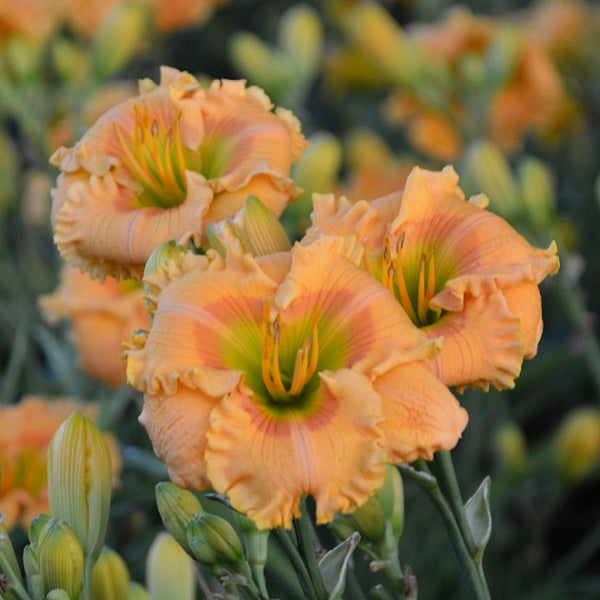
[(373, 103)]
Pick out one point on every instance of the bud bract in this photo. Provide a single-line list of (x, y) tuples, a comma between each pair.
[(80, 481), (176, 507), (110, 577), (214, 541), (169, 570), (60, 558)]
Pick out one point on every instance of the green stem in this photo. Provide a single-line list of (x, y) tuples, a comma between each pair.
[(13, 578), (292, 553), (305, 535), (477, 587), (446, 477)]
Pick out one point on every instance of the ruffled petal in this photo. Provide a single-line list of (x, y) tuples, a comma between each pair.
[(206, 328), (421, 415), (360, 323), (525, 302), (483, 344), (98, 228), (177, 427), (265, 465)]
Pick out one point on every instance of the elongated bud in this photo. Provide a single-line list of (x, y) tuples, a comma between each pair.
[(71, 61), (137, 592), (35, 587), (261, 231), (31, 563), (214, 541), (391, 498), (578, 443), (537, 192), (255, 542), (118, 38), (511, 447), (301, 36), (60, 559), (110, 577), (176, 507), (169, 570), (488, 171), (365, 148), (502, 55), (35, 527), (369, 520), (80, 481)]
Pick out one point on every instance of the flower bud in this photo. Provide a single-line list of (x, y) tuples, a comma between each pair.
[(537, 192), (342, 526), (9, 566), (137, 592), (502, 55), (214, 541), (60, 559), (70, 60), (169, 570), (58, 595), (35, 527), (80, 481), (369, 520), (118, 38), (365, 148), (511, 447), (35, 587), (578, 443), (110, 577), (391, 497), (176, 507), (255, 542), (301, 36), (261, 231), (488, 171), (31, 563)]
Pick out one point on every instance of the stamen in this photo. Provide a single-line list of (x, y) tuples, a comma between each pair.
[(401, 283), (421, 299)]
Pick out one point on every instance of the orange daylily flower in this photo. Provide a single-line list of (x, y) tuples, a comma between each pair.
[(85, 17), (35, 19), (27, 428), (288, 374), (164, 164), (177, 14), (459, 271), (102, 315)]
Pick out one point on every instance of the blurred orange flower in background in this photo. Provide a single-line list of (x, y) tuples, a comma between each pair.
[(289, 374), (461, 273), (164, 164), (170, 15), (102, 315), (27, 428)]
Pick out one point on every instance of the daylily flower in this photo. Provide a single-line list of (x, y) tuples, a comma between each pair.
[(33, 19), (176, 14), (164, 164), (288, 374), (103, 316), (459, 271), (27, 428)]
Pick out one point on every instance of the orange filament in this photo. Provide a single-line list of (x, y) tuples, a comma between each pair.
[(305, 364), (393, 278), (156, 159)]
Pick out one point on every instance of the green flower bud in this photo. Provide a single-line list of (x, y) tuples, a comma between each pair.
[(261, 232), (578, 443), (214, 541), (391, 497), (71, 60), (10, 575), (35, 527), (60, 559), (80, 481), (169, 570), (502, 56), (369, 520), (176, 507), (364, 148), (488, 171), (342, 526), (35, 587), (537, 192), (31, 562), (137, 592), (511, 446), (118, 38), (256, 543), (110, 577)]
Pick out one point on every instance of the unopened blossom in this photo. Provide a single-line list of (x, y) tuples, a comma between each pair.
[(162, 165), (27, 428), (288, 374), (34, 19), (102, 316), (459, 271), (170, 15)]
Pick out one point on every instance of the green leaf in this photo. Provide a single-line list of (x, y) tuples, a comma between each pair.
[(334, 564), (477, 511)]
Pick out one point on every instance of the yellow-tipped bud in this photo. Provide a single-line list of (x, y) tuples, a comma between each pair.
[(60, 559), (214, 541), (58, 595), (488, 171), (23, 56), (537, 192), (364, 148), (578, 443), (301, 36), (261, 232), (320, 164), (369, 520), (176, 507), (110, 577), (71, 61), (137, 592), (118, 37), (169, 570), (511, 446), (80, 481)]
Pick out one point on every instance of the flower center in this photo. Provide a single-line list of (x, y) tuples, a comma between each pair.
[(280, 385), (414, 294), (155, 159)]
